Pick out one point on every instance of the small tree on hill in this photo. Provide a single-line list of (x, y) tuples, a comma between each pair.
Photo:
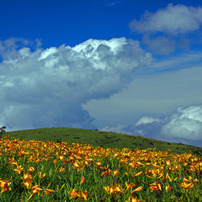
[(2, 131)]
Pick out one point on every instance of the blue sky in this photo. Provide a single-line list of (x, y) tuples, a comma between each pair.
[(125, 66)]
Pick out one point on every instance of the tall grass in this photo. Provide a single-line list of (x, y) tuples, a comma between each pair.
[(34, 170)]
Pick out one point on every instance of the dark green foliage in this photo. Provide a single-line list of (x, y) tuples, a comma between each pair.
[(59, 141), (2, 131)]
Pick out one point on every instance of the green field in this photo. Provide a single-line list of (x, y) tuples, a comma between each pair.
[(102, 139)]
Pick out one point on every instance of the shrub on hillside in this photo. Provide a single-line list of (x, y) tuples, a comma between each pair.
[(2, 131)]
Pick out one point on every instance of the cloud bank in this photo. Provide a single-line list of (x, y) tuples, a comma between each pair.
[(47, 88), (182, 126)]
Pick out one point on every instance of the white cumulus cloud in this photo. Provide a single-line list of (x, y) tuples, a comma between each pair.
[(174, 19), (170, 28), (47, 88), (146, 120), (185, 123)]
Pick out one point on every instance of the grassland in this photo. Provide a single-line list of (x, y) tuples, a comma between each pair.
[(102, 139)]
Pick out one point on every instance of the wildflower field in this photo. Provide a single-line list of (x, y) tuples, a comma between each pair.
[(47, 171)]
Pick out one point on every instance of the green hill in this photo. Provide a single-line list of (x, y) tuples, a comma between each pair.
[(102, 139)]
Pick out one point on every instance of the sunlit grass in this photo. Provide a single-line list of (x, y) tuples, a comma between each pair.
[(47, 171)]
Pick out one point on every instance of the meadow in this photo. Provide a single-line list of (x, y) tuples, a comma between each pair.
[(64, 164)]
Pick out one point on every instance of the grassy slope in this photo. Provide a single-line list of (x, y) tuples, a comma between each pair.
[(102, 139)]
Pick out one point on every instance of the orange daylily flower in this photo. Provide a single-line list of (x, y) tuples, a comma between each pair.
[(61, 169), (186, 186), (168, 163), (137, 189), (105, 173), (137, 174), (131, 199), (155, 186), (4, 185), (82, 180), (115, 172), (27, 177), (18, 169), (48, 191), (75, 194), (129, 185), (30, 170), (190, 179), (61, 157), (12, 161), (114, 189), (168, 188), (35, 189), (27, 184), (40, 174)]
